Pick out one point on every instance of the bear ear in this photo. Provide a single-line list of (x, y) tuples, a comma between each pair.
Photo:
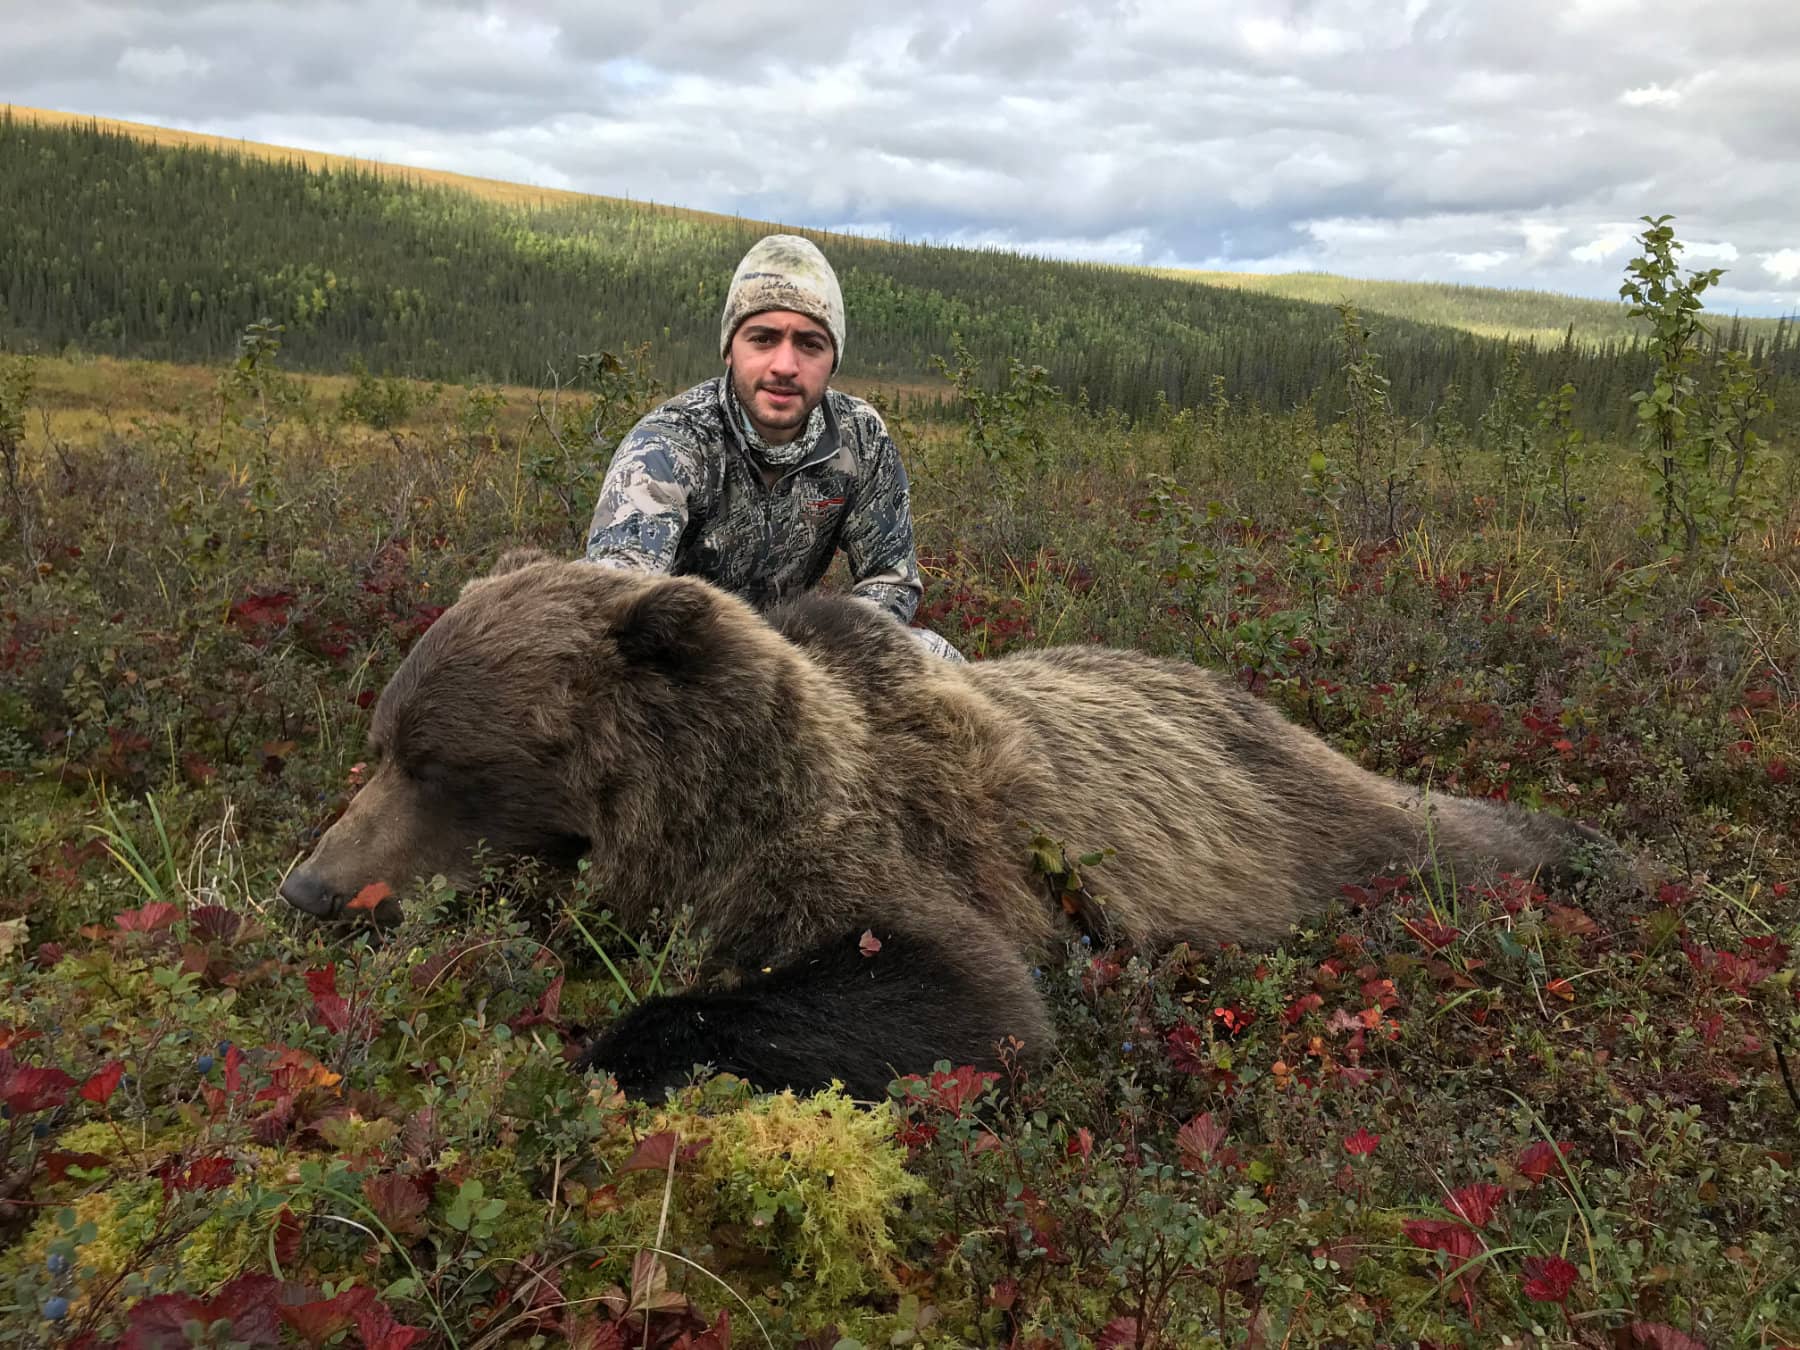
[(667, 627), (515, 558), (510, 561)]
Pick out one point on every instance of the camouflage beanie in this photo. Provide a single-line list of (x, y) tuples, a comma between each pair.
[(784, 271)]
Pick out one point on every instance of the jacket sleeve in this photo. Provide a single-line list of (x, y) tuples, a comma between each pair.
[(878, 532), (644, 501)]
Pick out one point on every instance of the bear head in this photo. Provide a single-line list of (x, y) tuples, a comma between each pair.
[(530, 705)]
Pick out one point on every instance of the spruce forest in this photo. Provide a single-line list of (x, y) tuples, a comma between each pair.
[(261, 422), (127, 249)]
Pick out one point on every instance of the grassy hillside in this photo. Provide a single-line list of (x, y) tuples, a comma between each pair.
[(1544, 317), (487, 189), (126, 248)]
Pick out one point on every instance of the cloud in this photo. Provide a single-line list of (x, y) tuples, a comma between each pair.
[(161, 64), (1446, 138), (1480, 262), (1603, 245), (1783, 266), (1541, 238)]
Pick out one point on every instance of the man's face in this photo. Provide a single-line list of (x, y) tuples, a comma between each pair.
[(780, 364)]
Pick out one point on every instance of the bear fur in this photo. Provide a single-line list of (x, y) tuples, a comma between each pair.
[(807, 777)]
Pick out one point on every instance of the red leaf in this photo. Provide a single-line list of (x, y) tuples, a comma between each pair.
[(261, 610), (1233, 1020), (1456, 1240), (650, 1290), (1300, 1007), (160, 1323), (157, 914), (381, 1330), (544, 1010), (398, 1203), (964, 1084), (1548, 1279), (288, 1232), (870, 944), (1476, 1202), (1199, 1139), (1081, 1145), (653, 1150), (210, 1173), (58, 1162), (1118, 1334), (215, 923), (234, 1069), (715, 1337), (371, 895), (1432, 933), (320, 1320), (1657, 1336), (1188, 1050), (250, 1302), (1539, 1160), (331, 1006), (29, 1090), (270, 1128), (1572, 922), (101, 1085), (1361, 1144), (590, 1333)]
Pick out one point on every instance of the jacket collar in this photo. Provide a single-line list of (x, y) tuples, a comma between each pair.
[(829, 438)]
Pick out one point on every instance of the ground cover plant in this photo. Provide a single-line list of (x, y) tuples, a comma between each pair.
[(1455, 1111)]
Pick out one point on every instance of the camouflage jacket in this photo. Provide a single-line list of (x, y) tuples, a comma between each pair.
[(683, 495)]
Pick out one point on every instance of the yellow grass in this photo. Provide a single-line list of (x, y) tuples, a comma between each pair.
[(76, 398), (489, 189)]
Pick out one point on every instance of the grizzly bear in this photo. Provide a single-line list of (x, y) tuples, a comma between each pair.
[(850, 815)]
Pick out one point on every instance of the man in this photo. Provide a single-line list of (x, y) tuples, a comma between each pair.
[(755, 479)]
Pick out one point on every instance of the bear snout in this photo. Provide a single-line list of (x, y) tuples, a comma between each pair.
[(308, 892)]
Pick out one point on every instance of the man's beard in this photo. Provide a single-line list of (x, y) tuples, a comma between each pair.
[(765, 420)]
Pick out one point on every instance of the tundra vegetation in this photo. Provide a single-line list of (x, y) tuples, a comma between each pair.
[(1448, 1113)]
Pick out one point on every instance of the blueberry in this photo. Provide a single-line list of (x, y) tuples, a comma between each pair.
[(1086, 941), (57, 1263), (41, 1130), (1126, 1047), (204, 1063), (224, 1048), (56, 1308)]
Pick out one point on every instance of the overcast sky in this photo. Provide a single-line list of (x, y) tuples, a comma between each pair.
[(1507, 143)]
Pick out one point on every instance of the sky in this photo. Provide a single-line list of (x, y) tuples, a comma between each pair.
[(1495, 142)]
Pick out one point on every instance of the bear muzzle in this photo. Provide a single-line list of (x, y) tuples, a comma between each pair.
[(308, 892)]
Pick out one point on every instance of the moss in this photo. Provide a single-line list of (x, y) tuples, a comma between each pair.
[(792, 1195), (128, 1214), (122, 1216), (520, 1227)]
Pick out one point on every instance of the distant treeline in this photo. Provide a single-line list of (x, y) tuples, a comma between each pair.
[(112, 245), (1489, 311)]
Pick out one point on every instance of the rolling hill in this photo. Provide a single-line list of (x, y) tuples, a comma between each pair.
[(131, 240)]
